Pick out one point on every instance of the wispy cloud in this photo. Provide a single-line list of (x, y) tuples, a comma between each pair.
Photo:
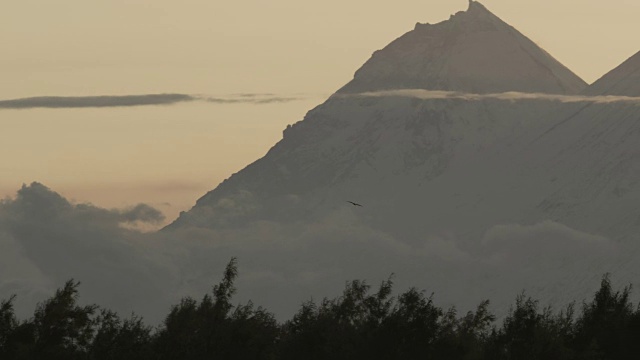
[(506, 96), (107, 101), (58, 102), (70, 102), (252, 99)]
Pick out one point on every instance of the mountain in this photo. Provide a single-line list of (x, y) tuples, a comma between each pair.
[(623, 80), (473, 196), (591, 151), (473, 51), (396, 150), (469, 164)]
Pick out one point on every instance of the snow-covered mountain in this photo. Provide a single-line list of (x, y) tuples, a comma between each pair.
[(474, 51), (374, 149), (474, 196), (592, 154)]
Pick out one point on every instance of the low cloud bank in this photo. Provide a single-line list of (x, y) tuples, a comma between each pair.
[(46, 240), (506, 96), (49, 239)]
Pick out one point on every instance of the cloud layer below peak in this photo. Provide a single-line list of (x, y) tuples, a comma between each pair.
[(49, 240), (422, 94)]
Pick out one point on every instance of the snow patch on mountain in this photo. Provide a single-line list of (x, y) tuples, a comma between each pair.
[(473, 51)]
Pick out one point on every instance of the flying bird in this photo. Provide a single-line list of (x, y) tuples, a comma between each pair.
[(354, 204)]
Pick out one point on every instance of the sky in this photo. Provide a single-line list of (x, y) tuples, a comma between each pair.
[(168, 156)]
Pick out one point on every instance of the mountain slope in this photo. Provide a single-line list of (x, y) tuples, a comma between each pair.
[(600, 163), (472, 197), (377, 148), (592, 151), (383, 151), (469, 164), (474, 51), (623, 80)]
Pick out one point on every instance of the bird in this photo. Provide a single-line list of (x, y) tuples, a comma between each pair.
[(354, 204)]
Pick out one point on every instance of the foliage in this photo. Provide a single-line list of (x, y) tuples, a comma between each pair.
[(359, 324), (214, 328)]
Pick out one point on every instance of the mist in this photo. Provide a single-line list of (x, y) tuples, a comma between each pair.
[(47, 239)]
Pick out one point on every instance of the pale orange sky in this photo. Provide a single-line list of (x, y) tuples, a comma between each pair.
[(173, 154)]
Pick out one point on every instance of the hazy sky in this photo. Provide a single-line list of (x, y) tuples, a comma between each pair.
[(172, 154)]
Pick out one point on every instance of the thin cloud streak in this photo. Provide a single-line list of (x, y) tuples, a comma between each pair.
[(72, 102), (60, 102), (251, 99), (506, 96)]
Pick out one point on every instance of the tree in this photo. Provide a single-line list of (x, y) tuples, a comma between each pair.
[(117, 339), (63, 329), (464, 338), (528, 333), (608, 326), (214, 328), (8, 323), (413, 325)]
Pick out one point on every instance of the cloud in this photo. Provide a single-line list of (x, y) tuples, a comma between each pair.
[(546, 247), (541, 236), (46, 240), (550, 260), (307, 259), (58, 102), (506, 96), (71, 102), (141, 213), (257, 99), (19, 273)]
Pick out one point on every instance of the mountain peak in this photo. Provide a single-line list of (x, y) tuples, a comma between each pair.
[(477, 9), (473, 51), (624, 80), (476, 12), (475, 6)]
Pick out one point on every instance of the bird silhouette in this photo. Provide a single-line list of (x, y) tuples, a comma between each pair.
[(354, 204)]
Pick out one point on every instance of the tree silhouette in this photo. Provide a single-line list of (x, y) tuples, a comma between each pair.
[(61, 328), (358, 324), (608, 327), (210, 329), (8, 323), (120, 339)]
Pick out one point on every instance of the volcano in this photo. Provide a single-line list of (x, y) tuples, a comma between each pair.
[(475, 196), (393, 152)]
